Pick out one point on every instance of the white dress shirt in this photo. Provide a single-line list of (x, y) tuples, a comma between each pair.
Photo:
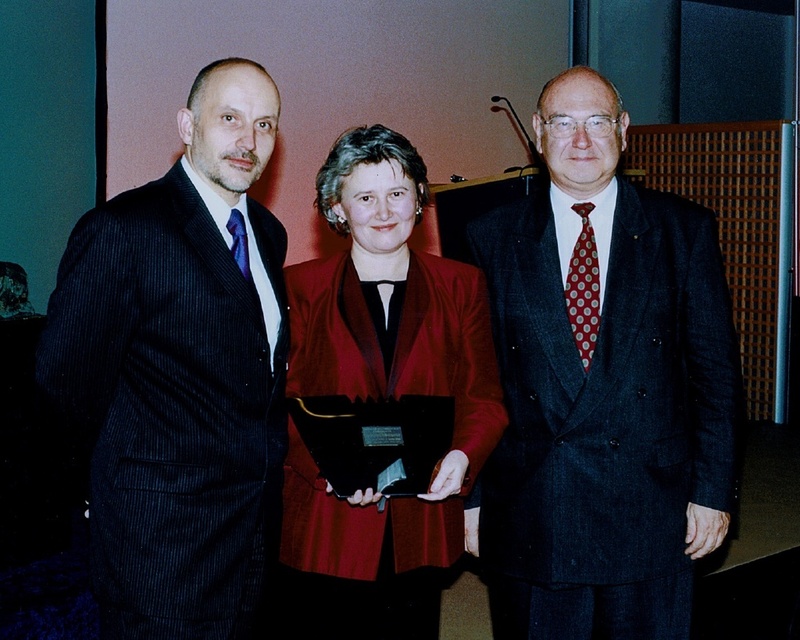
[(569, 226)]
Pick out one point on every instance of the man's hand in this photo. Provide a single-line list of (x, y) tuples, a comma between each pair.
[(705, 530), (471, 519)]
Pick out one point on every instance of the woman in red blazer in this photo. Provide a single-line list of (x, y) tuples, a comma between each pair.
[(382, 321)]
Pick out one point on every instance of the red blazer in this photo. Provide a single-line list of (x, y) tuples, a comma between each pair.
[(444, 347)]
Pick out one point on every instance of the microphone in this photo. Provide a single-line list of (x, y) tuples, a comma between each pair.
[(531, 146)]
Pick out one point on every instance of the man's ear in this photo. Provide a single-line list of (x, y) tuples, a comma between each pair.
[(538, 129), (186, 125), (624, 122)]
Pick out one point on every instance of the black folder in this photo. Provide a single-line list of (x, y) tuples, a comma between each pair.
[(391, 445)]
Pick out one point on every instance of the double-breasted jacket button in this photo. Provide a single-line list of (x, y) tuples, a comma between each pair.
[(533, 396), (657, 342), (559, 441), (641, 393), (614, 443)]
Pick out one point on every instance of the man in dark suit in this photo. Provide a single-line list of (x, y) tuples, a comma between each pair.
[(621, 371), (166, 344)]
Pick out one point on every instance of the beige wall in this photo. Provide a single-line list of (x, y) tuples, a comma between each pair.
[(424, 67)]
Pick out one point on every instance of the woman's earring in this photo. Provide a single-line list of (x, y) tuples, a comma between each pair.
[(419, 211), (341, 227)]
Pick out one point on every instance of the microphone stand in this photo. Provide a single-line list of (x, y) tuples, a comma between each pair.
[(531, 146)]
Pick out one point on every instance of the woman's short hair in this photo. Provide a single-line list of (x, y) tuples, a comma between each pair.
[(366, 145)]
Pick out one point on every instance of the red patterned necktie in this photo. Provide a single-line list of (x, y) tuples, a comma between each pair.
[(583, 288)]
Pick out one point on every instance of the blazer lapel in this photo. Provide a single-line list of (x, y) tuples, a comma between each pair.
[(415, 306), (536, 254), (203, 234), (272, 258), (359, 322), (274, 267)]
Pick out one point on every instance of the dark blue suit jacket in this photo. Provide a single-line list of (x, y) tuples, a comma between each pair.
[(591, 481), (156, 348)]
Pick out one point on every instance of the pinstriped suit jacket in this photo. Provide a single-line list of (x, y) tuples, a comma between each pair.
[(592, 478), (156, 349)]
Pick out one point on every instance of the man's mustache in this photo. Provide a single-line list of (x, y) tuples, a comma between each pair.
[(244, 155)]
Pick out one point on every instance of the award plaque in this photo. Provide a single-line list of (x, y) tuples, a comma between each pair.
[(390, 445)]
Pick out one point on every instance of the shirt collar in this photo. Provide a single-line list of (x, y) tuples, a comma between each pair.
[(219, 209), (606, 198)]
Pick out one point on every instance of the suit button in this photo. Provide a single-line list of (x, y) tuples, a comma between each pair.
[(657, 342), (533, 396), (263, 354), (614, 443), (641, 393), (560, 441)]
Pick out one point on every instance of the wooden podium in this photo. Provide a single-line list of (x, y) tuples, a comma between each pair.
[(459, 202)]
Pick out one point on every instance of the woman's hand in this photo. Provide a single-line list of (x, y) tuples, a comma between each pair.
[(364, 498), (449, 477), (360, 498)]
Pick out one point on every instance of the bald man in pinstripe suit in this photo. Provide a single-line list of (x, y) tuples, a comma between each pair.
[(168, 353)]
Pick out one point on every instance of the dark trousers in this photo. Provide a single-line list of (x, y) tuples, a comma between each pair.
[(245, 623), (657, 609), (402, 606), (395, 606)]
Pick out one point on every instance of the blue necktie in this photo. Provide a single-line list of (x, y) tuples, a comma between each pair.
[(238, 230)]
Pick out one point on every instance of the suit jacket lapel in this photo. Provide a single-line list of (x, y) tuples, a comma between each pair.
[(203, 234), (536, 254), (415, 307), (359, 322), (272, 259), (634, 247), (274, 267)]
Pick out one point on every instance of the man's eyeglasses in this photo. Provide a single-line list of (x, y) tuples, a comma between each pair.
[(595, 127)]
